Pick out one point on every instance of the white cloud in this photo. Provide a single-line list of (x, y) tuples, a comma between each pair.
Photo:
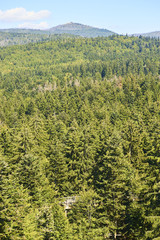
[(21, 14), (41, 25)]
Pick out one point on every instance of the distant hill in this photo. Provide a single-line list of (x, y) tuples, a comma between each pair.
[(22, 36), (26, 31), (68, 28), (81, 30), (155, 34), (15, 36)]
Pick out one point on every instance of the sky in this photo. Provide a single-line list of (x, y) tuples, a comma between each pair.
[(120, 16)]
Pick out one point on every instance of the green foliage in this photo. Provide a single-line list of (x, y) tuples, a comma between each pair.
[(80, 118)]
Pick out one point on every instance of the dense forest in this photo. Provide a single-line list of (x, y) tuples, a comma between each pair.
[(80, 122), (15, 37)]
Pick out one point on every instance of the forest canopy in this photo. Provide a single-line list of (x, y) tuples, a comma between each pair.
[(80, 119)]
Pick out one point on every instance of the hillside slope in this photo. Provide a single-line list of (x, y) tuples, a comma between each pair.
[(81, 30), (16, 36), (155, 34)]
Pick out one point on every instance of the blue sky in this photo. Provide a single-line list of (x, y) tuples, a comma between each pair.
[(120, 16)]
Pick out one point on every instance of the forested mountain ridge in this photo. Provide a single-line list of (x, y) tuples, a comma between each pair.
[(23, 36), (155, 34), (81, 30), (80, 117)]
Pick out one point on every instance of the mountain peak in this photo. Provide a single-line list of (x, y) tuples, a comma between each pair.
[(81, 30), (71, 26)]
